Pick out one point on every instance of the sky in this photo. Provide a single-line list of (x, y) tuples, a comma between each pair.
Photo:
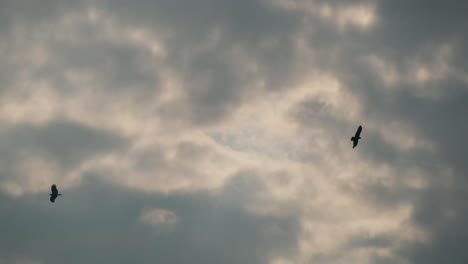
[(218, 131)]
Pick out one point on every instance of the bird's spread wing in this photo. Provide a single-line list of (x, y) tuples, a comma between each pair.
[(52, 198), (358, 132), (53, 188), (355, 142)]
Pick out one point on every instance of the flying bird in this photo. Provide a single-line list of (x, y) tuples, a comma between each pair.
[(54, 193), (356, 137)]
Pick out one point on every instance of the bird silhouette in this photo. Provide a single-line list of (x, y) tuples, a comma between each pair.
[(54, 193), (356, 137)]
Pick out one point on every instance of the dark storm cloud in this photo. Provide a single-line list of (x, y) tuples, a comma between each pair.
[(443, 212), (399, 23), (104, 65), (408, 27), (31, 12), (442, 120), (15, 18), (216, 82), (406, 33), (244, 20), (61, 141), (403, 33), (116, 67), (89, 225), (91, 222)]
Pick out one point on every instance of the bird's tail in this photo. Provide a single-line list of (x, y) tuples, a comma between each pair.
[(352, 139), (59, 194)]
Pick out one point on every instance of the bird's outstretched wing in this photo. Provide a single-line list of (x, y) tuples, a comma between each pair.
[(358, 132), (53, 189), (52, 198), (355, 142)]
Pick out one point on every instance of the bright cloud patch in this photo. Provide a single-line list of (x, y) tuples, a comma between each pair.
[(156, 216)]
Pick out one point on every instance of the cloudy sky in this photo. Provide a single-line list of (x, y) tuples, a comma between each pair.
[(218, 131)]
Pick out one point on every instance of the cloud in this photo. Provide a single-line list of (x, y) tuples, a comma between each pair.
[(34, 156), (218, 131), (207, 229), (156, 216)]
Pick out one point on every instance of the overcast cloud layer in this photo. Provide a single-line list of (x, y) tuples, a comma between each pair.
[(218, 131)]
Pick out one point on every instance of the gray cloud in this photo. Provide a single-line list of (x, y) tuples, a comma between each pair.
[(218, 79), (407, 72), (207, 230), (404, 33), (61, 142)]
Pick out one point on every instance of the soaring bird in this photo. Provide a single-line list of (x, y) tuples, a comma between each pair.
[(356, 137), (54, 193)]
